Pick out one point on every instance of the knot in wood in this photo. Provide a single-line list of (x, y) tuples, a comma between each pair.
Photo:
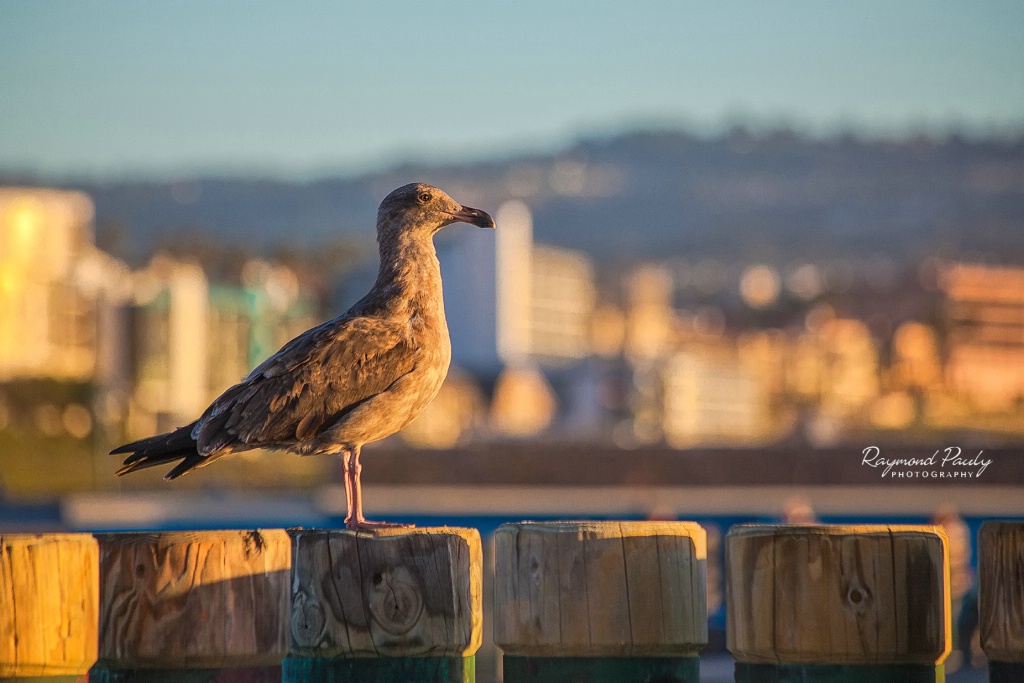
[(857, 598), (307, 621), (395, 600)]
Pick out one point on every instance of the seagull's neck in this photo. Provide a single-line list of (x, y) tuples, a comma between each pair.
[(409, 274)]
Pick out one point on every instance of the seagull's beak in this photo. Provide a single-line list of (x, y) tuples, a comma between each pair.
[(476, 217)]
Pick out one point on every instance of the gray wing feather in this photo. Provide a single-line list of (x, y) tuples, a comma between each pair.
[(308, 385)]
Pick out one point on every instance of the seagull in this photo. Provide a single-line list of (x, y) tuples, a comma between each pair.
[(352, 380)]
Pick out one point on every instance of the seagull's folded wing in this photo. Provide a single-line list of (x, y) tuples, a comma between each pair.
[(308, 385)]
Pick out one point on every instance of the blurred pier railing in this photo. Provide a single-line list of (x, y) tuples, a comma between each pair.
[(579, 464)]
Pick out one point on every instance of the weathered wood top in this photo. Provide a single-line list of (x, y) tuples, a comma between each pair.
[(838, 594), (49, 600), (194, 599), (600, 589), (387, 592), (1001, 584), (595, 529)]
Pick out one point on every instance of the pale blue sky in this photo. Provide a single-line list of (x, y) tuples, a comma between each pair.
[(301, 88)]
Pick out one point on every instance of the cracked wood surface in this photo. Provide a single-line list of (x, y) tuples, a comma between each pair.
[(601, 589), (1001, 582), (49, 598), (832, 594), (198, 599), (387, 592)]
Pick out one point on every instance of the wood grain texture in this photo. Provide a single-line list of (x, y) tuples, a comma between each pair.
[(829, 594), (196, 599), (387, 592), (600, 589), (49, 601), (1001, 584)]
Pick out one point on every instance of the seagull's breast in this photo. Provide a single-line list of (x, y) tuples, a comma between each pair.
[(412, 299), (430, 337)]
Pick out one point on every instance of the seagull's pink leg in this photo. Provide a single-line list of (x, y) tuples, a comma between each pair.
[(360, 522), (346, 465)]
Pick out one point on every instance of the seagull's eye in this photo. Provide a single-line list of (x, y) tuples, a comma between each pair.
[(424, 198)]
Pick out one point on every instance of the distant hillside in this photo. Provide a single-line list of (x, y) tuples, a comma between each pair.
[(743, 196)]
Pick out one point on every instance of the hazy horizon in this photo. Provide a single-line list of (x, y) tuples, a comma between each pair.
[(502, 155)]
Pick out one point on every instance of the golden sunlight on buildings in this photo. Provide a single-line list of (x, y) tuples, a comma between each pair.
[(650, 320), (450, 416), (835, 362), (524, 403), (562, 300), (712, 400), (170, 338), (608, 331), (53, 281), (916, 361), (763, 352), (985, 312), (893, 410), (851, 363)]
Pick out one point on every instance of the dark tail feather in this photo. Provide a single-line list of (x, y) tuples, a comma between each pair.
[(161, 450)]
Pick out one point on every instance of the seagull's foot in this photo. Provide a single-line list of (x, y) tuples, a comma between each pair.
[(366, 525)]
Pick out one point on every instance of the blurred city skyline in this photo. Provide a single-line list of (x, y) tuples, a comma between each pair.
[(548, 346), (162, 90)]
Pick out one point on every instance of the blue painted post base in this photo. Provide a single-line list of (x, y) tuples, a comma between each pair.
[(255, 674), (1005, 672), (838, 673), (601, 669), (380, 670)]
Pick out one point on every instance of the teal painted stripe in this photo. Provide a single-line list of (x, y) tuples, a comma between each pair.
[(601, 669), (380, 670), (261, 674), (829, 673)]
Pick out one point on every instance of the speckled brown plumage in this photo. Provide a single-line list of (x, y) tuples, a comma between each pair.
[(355, 379)]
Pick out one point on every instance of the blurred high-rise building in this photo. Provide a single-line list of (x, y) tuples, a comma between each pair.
[(508, 300), (169, 340), (984, 307), (58, 292), (192, 339), (712, 398), (561, 304), (650, 318)]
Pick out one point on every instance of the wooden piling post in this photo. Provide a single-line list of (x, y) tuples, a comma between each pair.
[(1001, 587), (600, 601), (49, 600), (194, 600), (833, 603), (386, 604)]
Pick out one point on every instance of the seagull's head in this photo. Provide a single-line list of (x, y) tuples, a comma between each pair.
[(417, 206)]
